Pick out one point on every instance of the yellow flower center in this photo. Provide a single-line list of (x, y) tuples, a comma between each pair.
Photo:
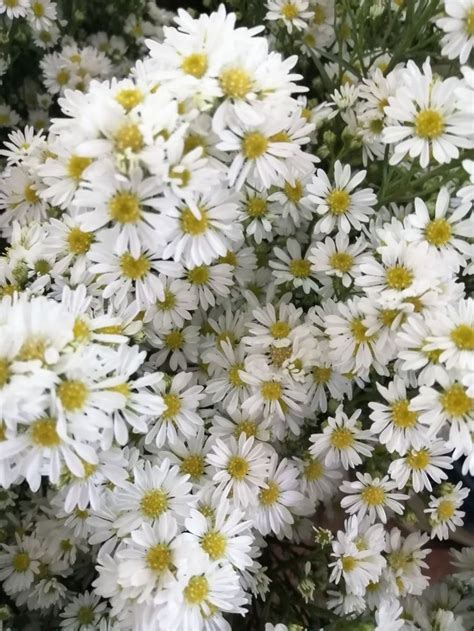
[(418, 460), (121, 388), (234, 376), (402, 416), (280, 136), (254, 145), (359, 331), (214, 544), (269, 496), (280, 329), (63, 77), (174, 340), (247, 427), (235, 83), (429, 124), (256, 206), (192, 141), (5, 372), (154, 503), (373, 496), (198, 275), (129, 98), (270, 390), (173, 406), (293, 193), (338, 202), (38, 9), (134, 269), (237, 467), (229, 259), (195, 65), (30, 193), (445, 510), (76, 166), (399, 560), (158, 558), (319, 14), (469, 22), (168, 303), (300, 268), (279, 354), (190, 224), (193, 465), (348, 563), (21, 562), (124, 208), (398, 277), (341, 438), (463, 337), (289, 11), (79, 242), (3, 432), (341, 261), (321, 374), (313, 470), (456, 402), (433, 356), (32, 349), (73, 395), (438, 232), (197, 590), (44, 434), (129, 137), (387, 316)]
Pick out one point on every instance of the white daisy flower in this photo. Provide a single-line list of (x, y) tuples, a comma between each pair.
[(458, 25), (444, 513), (341, 441), (190, 456), (292, 13), (240, 467), (14, 9), (371, 495), (19, 564), (226, 384), (258, 214), (388, 616), (318, 480), (177, 305), (292, 267), (453, 334), (420, 466), (85, 610), (463, 560), (426, 119), (179, 345), (338, 257), (405, 562), (240, 423), (340, 205), (324, 380), (210, 282)]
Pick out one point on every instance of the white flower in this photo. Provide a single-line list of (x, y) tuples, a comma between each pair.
[(177, 305), (342, 441), (405, 562), (371, 495), (292, 267), (293, 13), (225, 384), (16, 9), (41, 14), (458, 25), (444, 513), (318, 480), (338, 257), (240, 467), (426, 118), (420, 466), (85, 609), (19, 563), (388, 617), (340, 205)]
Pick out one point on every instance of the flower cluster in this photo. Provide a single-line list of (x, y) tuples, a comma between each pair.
[(236, 333)]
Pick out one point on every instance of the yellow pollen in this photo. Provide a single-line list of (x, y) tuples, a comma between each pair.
[(121, 388), (387, 316), (63, 77), (429, 124), (193, 465), (21, 562), (433, 356), (269, 496), (229, 259), (81, 514), (463, 337), (225, 336), (438, 232), (198, 275), (237, 467), (76, 166), (359, 331), (5, 372), (173, 406), (270, 391), (402, 416), (190, 224), (79, 242), (235, 83), (300, 268), (129, 98), (313, 470), (418, 460), (469, 22), (341, 438), (207, 511), (113, 329), (134, 269), (154, 503), (338, 202), (32, 349), (289, 11), (279, 329), (254, 145), (214, 544), (321, 374), (376, 126), (3, 432), (456, 402), (293, 193), (256, 206), (341, 261), (44, 434), (279, 354), (247, 427), (398, 560), (124, 208), (192, 141), (348, 563), (373, 496), (195, 65), (158, 558), (445, 510), (281, 136), (398, 277), (234, 376), (197, 590), (168, 303), (38, 9), (30, 193), (319, 14), (73, 395), (129, 137), (174, 340)]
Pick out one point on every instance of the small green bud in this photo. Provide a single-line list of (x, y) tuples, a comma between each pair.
[(329, 138)]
